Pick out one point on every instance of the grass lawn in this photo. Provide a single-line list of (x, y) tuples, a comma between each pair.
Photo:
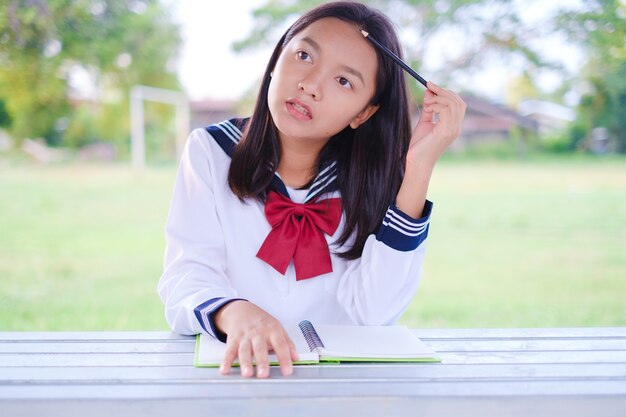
[(517, 243)]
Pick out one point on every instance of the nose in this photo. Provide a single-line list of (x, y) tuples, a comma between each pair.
[(311, 86)]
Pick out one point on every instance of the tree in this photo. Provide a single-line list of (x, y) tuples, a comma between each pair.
[(486, 31), (485, 28), (5, 119), (601, 30), (117, 43)]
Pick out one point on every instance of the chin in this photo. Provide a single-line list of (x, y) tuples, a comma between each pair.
[(287, 126)]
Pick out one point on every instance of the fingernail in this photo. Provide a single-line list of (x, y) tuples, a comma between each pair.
[(262, 372), (246, 371)]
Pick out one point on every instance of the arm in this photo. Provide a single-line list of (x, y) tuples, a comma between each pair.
[(197, 294), (429, 141), (194, 285), (378, 287)]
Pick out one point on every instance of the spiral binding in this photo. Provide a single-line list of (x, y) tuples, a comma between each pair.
[(310, 335)]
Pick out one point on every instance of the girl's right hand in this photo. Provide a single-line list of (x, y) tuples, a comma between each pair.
[(252, 333)]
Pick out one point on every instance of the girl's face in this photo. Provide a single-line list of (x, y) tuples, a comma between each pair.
[(323, 81)]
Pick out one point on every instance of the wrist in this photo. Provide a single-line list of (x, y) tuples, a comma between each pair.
[(412, 194), (419, 168), (221, 318)]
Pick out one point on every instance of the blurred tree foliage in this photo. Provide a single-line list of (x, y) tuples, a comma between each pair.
[(601, 29), (488, 29), (5, 119), (47, 47), (483, 27)]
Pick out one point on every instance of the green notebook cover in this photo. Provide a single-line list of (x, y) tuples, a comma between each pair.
[(324, 343)]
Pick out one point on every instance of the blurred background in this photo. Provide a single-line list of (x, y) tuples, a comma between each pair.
[(97, 96)]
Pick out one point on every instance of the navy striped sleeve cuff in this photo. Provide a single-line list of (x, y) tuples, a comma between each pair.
[(206, 311), (401, 231)]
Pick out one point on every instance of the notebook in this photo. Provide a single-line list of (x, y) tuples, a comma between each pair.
[(326, 343)]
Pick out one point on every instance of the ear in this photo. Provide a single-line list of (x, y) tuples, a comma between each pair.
[(364, 116)]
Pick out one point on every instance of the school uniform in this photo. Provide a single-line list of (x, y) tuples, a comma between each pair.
[(215, 241)]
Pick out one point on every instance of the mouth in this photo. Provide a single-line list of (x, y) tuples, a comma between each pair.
[(299, 110)]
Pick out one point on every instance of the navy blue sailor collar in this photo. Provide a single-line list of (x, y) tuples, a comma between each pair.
[(227, 135)]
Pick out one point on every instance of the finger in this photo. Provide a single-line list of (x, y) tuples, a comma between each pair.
[(431, 86), (437, 89), (444, 114), (461, 106), (245, 358), (282, 347), (229, 357), (457, 103), (428, 95), (448, 97), (442, 92), (425, 116), (293, 350), (448, 101), (436, 108), (450, 124), (259, 350), (455, 110)]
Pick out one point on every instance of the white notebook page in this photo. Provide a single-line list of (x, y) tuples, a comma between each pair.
[(371, 342)]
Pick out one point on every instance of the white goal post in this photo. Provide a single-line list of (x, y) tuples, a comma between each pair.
[(138, 94)]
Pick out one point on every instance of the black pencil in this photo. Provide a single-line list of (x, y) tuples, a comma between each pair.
[(395, 58)]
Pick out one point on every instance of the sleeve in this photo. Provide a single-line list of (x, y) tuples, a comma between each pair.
[(378, 287), (194, 284)]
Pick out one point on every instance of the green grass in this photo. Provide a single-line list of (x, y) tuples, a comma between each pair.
[(525, 244), (512, 244)]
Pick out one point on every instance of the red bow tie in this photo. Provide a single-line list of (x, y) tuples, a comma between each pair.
[(297, 234)]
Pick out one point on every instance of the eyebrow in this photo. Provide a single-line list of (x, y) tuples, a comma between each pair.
[(346, 68)]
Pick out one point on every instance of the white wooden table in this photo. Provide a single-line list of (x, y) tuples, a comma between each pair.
[(503, 372)]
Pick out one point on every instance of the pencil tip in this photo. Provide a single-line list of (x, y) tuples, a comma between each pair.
[(364, 33)]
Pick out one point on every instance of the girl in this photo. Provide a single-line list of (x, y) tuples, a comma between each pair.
[(315, 207)]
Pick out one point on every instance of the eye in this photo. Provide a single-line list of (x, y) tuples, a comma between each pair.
[(304, 56), (344, 82)]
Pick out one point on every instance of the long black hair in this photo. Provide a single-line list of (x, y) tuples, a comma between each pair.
[(370, 159)]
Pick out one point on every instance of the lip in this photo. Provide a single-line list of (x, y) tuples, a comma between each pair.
[(297, 114)]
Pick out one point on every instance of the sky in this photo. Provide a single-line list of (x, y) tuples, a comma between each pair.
[(209, 68)]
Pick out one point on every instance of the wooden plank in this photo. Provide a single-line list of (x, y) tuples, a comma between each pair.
[(521, 333), (136, 374), (176, 359), (381, 377), (100, 347), (237, 387), (504, 345), (485, 371), (147, 336), (115, 346), (614, 356), (95, 359), (489, 333), (374, 406)]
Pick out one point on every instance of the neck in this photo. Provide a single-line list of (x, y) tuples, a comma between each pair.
[(298, 162)]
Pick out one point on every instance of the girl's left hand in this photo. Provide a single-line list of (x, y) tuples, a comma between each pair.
[(430, 138)]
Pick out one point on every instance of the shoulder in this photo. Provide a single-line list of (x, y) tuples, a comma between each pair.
[(226, 134), (210, 148), (217, 139)]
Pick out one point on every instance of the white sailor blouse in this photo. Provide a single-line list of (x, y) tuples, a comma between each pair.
[(213, 253)]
